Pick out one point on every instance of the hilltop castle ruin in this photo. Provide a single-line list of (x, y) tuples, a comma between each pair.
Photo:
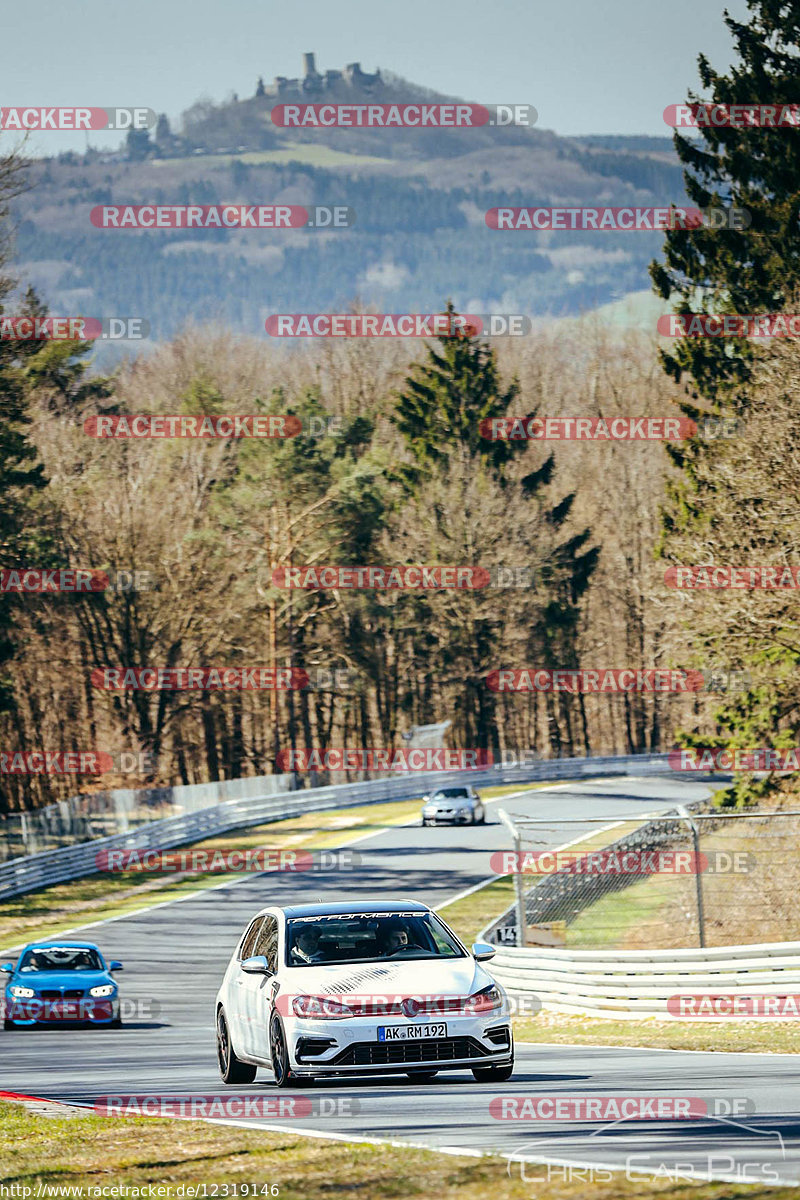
[(314, 85)]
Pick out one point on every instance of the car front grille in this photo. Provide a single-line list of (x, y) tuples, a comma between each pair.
[(385, 1054), (67, 994)]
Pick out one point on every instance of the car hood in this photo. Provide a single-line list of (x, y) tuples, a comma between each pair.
[(429, 977), (456, 802), (61, 979)]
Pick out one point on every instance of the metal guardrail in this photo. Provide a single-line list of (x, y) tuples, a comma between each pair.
[(36, 871), (638, 983), (87, 817)]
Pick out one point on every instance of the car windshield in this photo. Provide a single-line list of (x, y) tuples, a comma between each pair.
[(368, 937), (451, 794), (61, 958)]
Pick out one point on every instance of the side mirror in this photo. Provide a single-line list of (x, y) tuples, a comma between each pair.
[(116, 966), (482, 951), (7, 967), (257, 965)]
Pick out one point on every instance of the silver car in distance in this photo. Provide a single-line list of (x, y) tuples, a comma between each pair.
[(317, 990), (453, 806)]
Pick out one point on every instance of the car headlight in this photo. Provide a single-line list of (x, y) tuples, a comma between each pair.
[(320, 1008), (486, 1000), (22, 993), (105, 989)]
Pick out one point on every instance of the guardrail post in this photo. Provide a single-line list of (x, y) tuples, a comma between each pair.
[(522, 922), (698, 878)]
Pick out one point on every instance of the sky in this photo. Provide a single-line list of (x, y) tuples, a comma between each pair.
[(587, 66)]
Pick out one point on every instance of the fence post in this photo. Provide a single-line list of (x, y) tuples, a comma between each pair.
[(698, 878), (522, 923)]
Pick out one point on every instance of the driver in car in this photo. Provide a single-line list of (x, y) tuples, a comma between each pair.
[(397, 939), (307, 948)]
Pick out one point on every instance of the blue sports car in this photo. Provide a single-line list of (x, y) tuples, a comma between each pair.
[(60, 981)]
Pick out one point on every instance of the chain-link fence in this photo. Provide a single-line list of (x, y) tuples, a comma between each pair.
[(691, 876)]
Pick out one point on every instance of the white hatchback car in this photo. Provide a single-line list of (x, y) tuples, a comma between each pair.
[(342, 989)]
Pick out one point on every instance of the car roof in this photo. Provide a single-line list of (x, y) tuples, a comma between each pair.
[(331, 910)]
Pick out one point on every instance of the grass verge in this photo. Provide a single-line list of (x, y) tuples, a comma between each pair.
[(90, 1152), (764, 1037)]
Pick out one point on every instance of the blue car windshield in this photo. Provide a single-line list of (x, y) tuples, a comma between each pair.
[(61, 958)]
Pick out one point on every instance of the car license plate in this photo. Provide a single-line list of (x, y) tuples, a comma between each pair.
[(404, 1033)]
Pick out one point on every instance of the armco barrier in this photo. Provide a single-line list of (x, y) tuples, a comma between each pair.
[(637, 983), (74, 862)]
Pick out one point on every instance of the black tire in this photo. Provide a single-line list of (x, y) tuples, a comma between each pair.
[(424, 822), (230, 1068), (116, 1023), (493, 1074), (8, 1023), (421, 1076), (279, 1054), (483, 818)]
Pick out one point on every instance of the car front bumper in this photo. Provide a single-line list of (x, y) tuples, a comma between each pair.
[(457, 816), (101, 1011), (315, 1048)]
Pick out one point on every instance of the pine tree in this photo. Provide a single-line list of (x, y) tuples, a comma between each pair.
[(440, 412), (445, 399), (753, 270), (750, 271)]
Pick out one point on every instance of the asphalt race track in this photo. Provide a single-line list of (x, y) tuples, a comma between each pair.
[(175, 954)]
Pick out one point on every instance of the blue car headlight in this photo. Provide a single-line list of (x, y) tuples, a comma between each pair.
[(21, 993), (105, 989)]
